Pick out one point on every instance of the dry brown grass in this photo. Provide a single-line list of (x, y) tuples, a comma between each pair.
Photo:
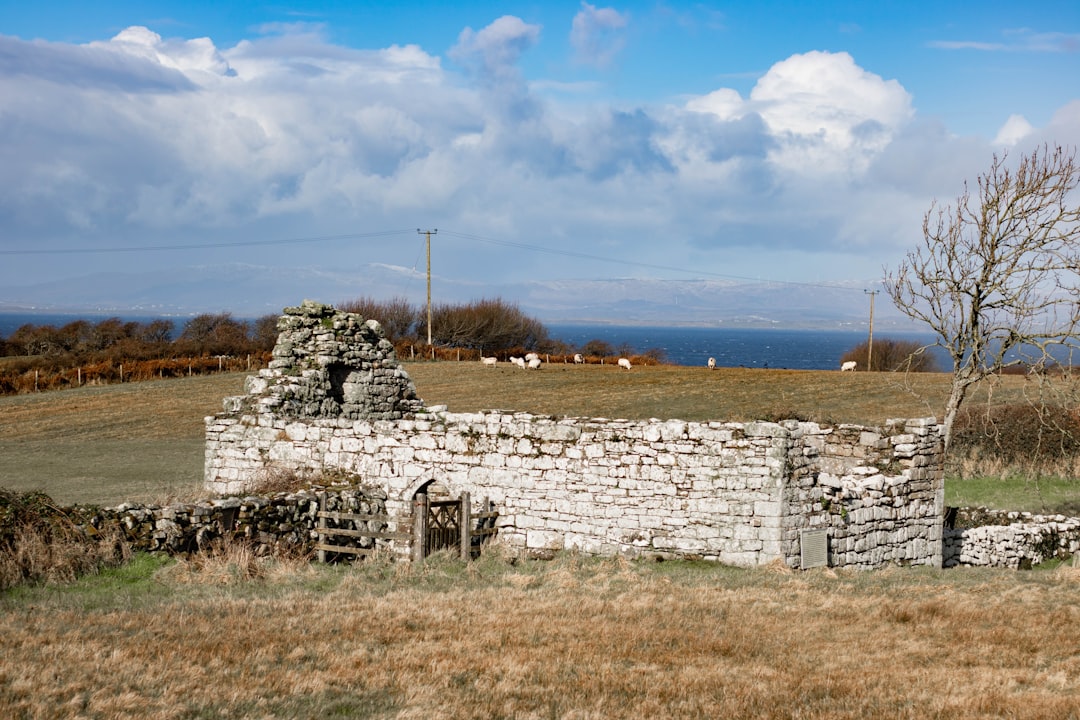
[(686, 393), (233, 635), (143, 441), (573, 638)]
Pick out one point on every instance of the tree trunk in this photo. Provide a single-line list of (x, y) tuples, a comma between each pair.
[(952, 406)]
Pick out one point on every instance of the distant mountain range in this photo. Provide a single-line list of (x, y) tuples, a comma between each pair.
[(253, 290)]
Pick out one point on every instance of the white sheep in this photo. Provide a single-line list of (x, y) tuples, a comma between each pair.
[(520, 362), (489, 361), (578, 359), (624, 363), (534, 364), (531, 356), (849, 365), (712, 363)]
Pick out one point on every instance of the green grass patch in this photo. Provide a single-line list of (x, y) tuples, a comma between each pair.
[(1048, 495), (128, 585)]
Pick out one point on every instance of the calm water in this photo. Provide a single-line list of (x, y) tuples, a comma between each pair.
[(765, 348), (792, 349)]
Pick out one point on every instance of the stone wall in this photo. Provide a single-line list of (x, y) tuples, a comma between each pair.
[(1008, 539), (734, 492), (282, 521), (738, 493)]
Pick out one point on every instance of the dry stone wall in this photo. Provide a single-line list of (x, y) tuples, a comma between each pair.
[(270, 523), (1008, 539), (739, 493)]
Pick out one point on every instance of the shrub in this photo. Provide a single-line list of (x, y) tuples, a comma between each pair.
[(1018, 433), (890, 354), (485, 325), (40, 542), (399, 319)]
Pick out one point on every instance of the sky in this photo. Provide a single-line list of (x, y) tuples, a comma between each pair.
[(789, 142)]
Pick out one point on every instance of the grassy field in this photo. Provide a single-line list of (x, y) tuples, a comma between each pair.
[(142, 441), (570, 638), (231, 635)]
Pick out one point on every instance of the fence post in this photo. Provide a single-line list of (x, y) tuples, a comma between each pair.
[(420, 509), (465, 523), (322, 526)]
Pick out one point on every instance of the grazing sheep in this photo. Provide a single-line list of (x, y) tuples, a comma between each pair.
[(849, 365), (520, 362), (531, 356), (534, 364), (712, 363), (489, 361), (578, 359), (624, 363)]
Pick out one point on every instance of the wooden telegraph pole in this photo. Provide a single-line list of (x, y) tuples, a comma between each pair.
[(870, 342), (428, 233)]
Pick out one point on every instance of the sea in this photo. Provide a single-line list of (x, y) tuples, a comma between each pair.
[(732, 347)]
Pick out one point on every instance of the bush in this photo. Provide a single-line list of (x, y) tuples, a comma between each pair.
[(890, 354), (398, 318), (485, 325), (1018, 433), (40, 542)]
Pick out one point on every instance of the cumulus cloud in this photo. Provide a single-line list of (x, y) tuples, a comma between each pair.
[(825, 113), (188, 56), (140, 139), (494, 51), (595, 34), (1015, 129), (94, 66)]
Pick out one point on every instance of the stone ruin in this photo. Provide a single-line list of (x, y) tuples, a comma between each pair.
[(329, 364), (334, 398)]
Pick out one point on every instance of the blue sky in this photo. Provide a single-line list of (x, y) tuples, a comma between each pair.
[(549, 142)]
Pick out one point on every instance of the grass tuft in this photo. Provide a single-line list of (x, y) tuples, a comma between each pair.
[(42, 543)]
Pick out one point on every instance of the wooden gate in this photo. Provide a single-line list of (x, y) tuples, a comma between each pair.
[(442, 524), (325, 544), (436, 526)]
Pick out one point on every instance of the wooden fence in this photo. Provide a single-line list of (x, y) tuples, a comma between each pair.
[(434, 525)]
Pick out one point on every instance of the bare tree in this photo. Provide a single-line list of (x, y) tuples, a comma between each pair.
[(397, 316), (997, 277)]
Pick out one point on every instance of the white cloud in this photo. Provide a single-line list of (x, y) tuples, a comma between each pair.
[(188, 56), (825, 113), (1015, 129), (595, 36), (494, 51), (829, 112), (1018, 40), (145, 140)]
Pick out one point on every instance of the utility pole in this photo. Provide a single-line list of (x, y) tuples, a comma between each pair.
[(870, 342), (428, 233)]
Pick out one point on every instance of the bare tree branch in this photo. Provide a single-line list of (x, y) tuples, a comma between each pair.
[(997, 277)]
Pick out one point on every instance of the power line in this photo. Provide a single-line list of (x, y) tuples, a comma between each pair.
[(204, 246), (389, 233), (635, 263)]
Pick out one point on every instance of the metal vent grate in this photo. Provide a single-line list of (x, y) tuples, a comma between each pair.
[(813, 548)]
